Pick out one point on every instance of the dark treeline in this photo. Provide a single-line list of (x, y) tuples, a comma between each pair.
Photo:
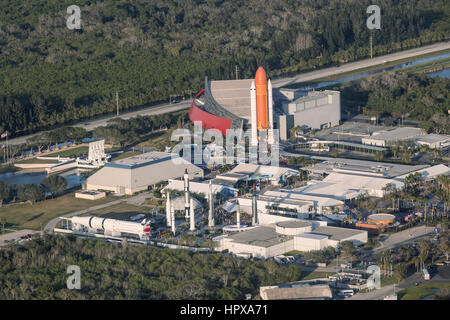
[(148, 50), (38, 270), (127, 132), (417, 97)]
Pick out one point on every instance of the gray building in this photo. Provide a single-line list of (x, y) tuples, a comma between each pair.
[(317, 110), (138, 173)]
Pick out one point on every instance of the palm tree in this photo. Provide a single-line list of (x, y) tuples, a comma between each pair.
[(3, 222), (444, 194), (416, 261), (424, 249), (444, 247)]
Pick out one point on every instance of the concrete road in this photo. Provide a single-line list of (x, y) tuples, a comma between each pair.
[(92, 124), (404, 236), (15, 235), (375, 294), (441, 277), (313, 75), (167, 108)]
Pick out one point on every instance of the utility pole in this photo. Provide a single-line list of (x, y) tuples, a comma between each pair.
[(117, 102), (237, 72), (371, 40)]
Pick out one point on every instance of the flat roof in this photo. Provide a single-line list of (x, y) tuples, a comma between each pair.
[(224, 182), (233, 95), (381, 216), (433, 138), (297, 292), (293, 224), (283, 200), (262, 236), (335, 233), (309, 98), (396, 134), (140, 160), (363, 167)]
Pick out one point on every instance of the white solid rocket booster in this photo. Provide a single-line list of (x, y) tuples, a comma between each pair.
[(192, 212), (254, 140), (270, 105), (238, 213), (172, 215), (168, 208), (211, 207), (186, 194)]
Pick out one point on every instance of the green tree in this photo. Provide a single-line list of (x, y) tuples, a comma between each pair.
[(335, 152), (31, 193), (444, 246), (399, 272), (379, 156), (55, 184), (3, 222), (348, 249), (4, 192)]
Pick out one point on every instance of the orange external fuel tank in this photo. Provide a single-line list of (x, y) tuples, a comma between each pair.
[(261, 100)]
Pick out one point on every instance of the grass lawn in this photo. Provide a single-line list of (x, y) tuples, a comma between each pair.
[(159, 140), (424, 67), (292, 253), (416, 293), (386, 281), (37, 161), (20, 216), (74, 152), (8, 168), (121, 211), (308, 275)]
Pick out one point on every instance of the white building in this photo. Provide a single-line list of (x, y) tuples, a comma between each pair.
[(385, 137), (248, 171), (434, 141), (283, 234), (301, 290), (280, 200), (138, 173)]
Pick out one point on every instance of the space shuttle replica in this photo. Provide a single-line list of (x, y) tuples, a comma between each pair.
[(111, 227), (261, 104)]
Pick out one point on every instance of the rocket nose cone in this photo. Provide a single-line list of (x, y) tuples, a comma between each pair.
[(260, 76)]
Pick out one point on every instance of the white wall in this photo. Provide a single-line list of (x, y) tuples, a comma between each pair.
[(309, 244)]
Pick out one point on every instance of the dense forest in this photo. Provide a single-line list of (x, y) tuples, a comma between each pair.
[(418, 97), (148, 50), (37, 270)]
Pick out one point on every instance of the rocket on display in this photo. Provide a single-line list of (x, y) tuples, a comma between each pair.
[(261, 99), (261, 107)]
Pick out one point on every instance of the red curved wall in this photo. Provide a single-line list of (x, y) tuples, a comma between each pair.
[(208, 120)]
